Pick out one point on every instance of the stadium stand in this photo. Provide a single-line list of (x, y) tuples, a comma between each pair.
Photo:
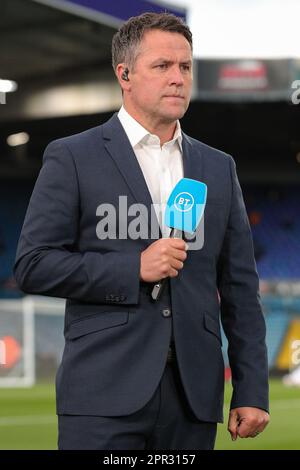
[(14, 198), (273, 214)]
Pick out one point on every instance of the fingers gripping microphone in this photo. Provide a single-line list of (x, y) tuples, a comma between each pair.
[(184, 211)]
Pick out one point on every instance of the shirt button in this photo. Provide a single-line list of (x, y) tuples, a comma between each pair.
[(166, 312)]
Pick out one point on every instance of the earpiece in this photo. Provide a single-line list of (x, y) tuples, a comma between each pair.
[(125, 75)]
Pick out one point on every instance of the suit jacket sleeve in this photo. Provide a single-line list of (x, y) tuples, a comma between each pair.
[(241, 311), (48, 261)]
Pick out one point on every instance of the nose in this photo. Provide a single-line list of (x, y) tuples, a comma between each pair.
[(176, 76)]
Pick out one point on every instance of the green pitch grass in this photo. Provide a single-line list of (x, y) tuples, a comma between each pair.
[(28, 420)]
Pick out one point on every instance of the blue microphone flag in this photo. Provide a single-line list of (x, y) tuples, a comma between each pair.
[(186, 204)]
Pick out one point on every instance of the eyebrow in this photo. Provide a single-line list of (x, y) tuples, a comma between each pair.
[(166, 61)]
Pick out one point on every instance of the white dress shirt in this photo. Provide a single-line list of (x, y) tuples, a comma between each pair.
[(161, 166)]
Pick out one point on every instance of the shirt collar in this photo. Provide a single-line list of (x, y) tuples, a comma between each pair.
[(137, 134)]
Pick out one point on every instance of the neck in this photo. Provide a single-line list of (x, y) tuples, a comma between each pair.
[(163, 129)]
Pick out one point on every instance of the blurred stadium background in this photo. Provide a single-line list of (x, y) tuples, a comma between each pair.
[(55, 60)]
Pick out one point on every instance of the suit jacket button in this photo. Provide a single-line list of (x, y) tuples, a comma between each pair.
[(166, 312)]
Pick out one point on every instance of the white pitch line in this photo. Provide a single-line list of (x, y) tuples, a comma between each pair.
[(28, 395), (285, 404), (36, 420), (28, 420), (280, 404)]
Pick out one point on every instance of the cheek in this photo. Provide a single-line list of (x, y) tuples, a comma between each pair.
[(149, 91), (189, 84)]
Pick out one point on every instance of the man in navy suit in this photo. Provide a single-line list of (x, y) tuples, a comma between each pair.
[(138, 373)]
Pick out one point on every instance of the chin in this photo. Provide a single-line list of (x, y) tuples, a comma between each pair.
[(174, 115)]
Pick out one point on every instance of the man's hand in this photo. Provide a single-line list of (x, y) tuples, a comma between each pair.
[(163, 258), (247, 422)]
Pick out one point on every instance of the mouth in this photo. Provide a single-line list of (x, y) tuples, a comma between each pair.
[(178, 97)]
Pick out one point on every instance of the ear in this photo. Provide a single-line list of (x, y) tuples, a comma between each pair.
[(120, 70)]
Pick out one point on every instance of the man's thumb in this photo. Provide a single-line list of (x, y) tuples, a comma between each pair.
[(233, 423)]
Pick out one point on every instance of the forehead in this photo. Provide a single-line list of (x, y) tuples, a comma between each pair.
[(159, 43)]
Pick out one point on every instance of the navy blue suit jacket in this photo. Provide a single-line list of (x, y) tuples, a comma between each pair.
[(117, 338)]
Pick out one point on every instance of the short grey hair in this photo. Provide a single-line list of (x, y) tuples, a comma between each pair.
[(126, 41)]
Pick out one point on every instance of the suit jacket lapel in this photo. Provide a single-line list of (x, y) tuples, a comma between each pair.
[(192, 161), (119, 148)]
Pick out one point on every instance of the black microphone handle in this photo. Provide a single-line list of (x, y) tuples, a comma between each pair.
[(159, 286)]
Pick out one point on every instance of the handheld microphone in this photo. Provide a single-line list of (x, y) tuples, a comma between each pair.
[(184, 211)]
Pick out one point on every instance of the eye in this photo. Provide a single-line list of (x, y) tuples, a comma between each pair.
[(185, 67), (162, 66)]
